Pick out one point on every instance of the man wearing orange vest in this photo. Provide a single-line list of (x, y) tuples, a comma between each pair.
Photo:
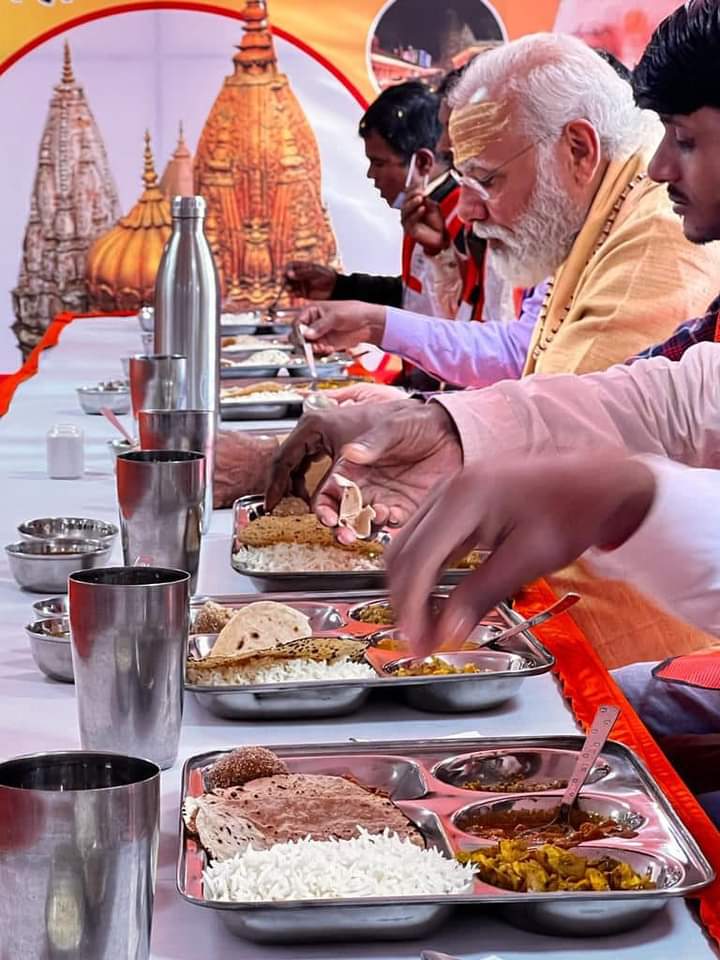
[(403, 136)]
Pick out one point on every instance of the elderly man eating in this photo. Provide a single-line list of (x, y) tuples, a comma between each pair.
[(553, 153), (653, 406)]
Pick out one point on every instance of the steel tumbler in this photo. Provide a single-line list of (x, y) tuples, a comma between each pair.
[(79, 838), (160, 498), (129, 629), (183, 430), (158, 382)]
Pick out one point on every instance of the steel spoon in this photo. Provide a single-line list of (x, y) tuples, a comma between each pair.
[(560, 606), (602, 724)]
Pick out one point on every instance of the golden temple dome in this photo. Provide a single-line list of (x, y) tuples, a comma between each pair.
[(258, 166), (122, 264), (177, 178)]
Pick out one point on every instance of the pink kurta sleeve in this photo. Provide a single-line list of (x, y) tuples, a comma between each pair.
[(652, 407), (465, 354)]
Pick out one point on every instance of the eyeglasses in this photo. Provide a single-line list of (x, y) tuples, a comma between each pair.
[(481, 186)]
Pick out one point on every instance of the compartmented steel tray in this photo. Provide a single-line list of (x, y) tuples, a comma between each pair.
[(427, 781), (269, 409), (238, 352), (247, 509), (258, 321), (509, 666)]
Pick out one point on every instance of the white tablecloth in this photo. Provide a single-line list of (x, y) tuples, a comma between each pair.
[(39, 715)]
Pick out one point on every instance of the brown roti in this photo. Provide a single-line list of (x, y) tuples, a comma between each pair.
[(306, 530), (308, 648), (219, 829), (260, 626)]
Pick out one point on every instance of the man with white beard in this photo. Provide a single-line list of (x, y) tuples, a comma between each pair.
[(553, 153), (550, 145)]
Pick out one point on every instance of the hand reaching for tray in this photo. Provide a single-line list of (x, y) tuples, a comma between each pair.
[(366, 393), (342, 324), (396, 459), (536, 516)]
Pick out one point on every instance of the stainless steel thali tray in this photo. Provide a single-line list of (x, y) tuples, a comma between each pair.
[(252, 371), (249, 508), (237, 372), (258, 321), (239, 352), (269, 409), (327, 367), (427, 781), (508, 666)]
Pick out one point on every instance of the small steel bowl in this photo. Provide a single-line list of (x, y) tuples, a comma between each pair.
[(50, 608), (118, 446), (72, 528), (115, 394), (51, 649), (43, 566)]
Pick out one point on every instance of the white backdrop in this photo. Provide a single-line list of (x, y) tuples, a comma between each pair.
[(152, 69)]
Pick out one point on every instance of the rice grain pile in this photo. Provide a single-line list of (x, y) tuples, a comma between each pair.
[(263, 396), (270, 358), (292, 670), (290, 557), (377, 865)]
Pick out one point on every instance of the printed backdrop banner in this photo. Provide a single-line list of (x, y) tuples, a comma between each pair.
[(340, 33), (93, 94)]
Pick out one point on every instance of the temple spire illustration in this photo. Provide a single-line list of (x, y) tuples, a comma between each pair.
[(73, 200), (258, 166)]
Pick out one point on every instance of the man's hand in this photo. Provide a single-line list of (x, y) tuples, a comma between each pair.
[(366, 393), (396, 462), (242, 466), (537, 516), (422, 219), (312, 281), (342, 325)]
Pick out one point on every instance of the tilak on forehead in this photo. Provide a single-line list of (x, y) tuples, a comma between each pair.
[(477, 124)]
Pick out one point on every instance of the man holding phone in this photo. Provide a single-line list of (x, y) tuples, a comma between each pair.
[(401, 131)]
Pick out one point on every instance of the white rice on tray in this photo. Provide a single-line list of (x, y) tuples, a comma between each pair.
[(272, 357), (266, 396), (370, 865), (292, 670), (301, 558)]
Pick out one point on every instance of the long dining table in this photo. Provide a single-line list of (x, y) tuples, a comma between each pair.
[(38, 715)]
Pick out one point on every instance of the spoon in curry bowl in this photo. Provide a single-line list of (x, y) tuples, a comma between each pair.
[(602, 724), (560, 606)]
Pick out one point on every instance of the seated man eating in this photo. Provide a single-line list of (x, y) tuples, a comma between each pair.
[(652, 407), (558, 185)]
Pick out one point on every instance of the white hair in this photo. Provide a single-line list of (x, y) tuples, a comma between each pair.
[(553, 79)]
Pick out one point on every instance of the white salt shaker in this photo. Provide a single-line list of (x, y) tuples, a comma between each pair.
[(65, 452)]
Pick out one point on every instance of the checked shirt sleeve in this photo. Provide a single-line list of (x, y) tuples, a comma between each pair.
[(699, 330)]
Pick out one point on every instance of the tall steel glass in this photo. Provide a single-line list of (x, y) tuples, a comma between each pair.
[(183, 430), (158, 381), (78, 853), (160, 498), (129, 629)]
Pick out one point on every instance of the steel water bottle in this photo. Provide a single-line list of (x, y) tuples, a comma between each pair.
[(187, 303)]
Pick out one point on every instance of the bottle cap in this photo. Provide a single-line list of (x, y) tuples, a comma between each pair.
[(188, 207)]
